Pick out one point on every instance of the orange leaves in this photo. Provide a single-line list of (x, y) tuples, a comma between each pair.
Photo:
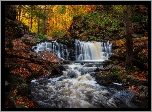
[(15, 91), (19, 48), (135, 89), (23, 53), (140, 41), (23, 100), (19, 45), (139, 75), (34, 67), (120, 42), (21, 71)]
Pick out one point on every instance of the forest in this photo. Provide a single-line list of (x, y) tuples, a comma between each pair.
[(76, 56)]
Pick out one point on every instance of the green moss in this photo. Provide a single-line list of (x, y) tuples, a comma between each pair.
[(40, 37)]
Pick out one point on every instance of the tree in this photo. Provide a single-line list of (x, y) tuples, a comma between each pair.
[(19, 11), (129, 41), (31, 12)]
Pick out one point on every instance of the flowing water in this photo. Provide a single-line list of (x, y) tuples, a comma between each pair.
[(77, 87), (84, 51), (59, 49), (92, 51)]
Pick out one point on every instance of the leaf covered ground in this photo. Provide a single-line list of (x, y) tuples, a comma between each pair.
[(135, 76)]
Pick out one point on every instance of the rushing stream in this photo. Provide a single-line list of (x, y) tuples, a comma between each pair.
[(77, 87)]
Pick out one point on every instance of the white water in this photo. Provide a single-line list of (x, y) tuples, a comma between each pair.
[(77, 90), (59, 49), (92, 51), (84, 51)]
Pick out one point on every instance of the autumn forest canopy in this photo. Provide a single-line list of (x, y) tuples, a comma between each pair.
[(55, 20), (58, 49)]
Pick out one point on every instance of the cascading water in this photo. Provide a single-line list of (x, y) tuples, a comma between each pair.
[(77, 89), (92, 51), (84, 51), (59, 49)]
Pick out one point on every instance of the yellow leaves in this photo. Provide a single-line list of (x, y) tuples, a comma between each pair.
[(82, 9), (121, 42), (59, 17), (60, 22)]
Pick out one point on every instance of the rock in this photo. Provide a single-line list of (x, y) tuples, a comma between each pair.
[(23, 89), (32, 34), (103, 80), (49, 38), (48, 56), (137, 35)]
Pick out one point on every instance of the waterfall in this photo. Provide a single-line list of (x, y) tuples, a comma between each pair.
[(84, 51), (77, 86), (92, 51), (59, 49)]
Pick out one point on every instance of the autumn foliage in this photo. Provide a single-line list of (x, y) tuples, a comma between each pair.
[(55, 19)]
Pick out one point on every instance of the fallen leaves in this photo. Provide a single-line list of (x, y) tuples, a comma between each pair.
[(139, 75), (23, 100), (134, 88), (21, 71), (34, 67)]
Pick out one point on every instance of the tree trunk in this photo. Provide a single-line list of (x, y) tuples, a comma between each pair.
[(44, 21), (129, 42), (19, 13), (31, 15), (38, 26)]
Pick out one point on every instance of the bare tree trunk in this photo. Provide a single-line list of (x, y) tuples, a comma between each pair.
[(19, 13), (129, 42), (31, 15), (38, 25), (44, 21)]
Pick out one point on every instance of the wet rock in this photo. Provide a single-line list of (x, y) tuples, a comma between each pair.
[(103, 80)]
